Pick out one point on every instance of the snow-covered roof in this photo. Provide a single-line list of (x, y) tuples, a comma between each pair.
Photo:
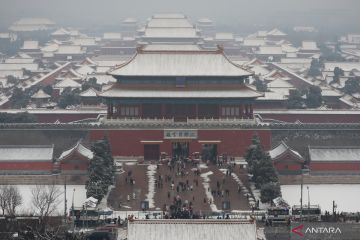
[(289, 49), (86, 41), (24, 153), (19, 66), (90, 92), (281, 91), (171, 63), (31, 24), (281, 149), (78, 148), (60, 32), (15, 73), (262, 33), (5, 35), (260, 70), (169, 23), (69, 49), (19, 60), (40, 95), (191, 229), (270, 50), (278, 83), (170, 33), (112, 36), (205, 20), (254, 42), (224, 36), (33, 21), (102, 78), (276, 32), (85, 70), (67, 82), (296, 60), (346, 66), (271, 96), (309, 46), (70, 73), (50, 48), (172, 47), (30, 45), (168, 15), (180, 93), (327, 92), (334, 154), (100, 69), (129, 20)]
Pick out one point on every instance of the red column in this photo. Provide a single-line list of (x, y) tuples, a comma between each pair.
[(163, 110), (140, 110), (118, 111), (112, 109), (197, 110), (108, 110), (251, 110), (247, 110), (241, 110)]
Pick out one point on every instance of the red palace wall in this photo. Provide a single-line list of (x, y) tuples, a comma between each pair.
[(330, 166), (287, 166), (27, 166), (233, 142), (74, 167), (314, 118), (63, 118)]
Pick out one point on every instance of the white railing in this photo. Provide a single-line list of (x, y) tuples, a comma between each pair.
[(171, 121), (137, 120), (221, 120)]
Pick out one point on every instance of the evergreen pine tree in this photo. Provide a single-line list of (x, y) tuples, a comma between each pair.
[(101, 170)]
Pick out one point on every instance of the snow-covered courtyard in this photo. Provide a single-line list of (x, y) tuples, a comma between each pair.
[(79, 197), (346, 196)]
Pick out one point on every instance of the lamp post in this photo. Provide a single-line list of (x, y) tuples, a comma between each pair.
[(308, 197), (73, 213), (304, 171), (65, 202)]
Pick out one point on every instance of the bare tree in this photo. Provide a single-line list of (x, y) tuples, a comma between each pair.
[(45, 199), (3, 198), (13, 199)]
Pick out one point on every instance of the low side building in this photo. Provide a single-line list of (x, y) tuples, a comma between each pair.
[(75, 160), (26, 159), (286, 160), (191, 229), (334, 159)]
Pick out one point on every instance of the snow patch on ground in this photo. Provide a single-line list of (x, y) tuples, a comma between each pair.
[(256, 193), (203, 166), (206, 184), (151, 175), (130, 163), (200, 166), (260, 233), (244, 190)]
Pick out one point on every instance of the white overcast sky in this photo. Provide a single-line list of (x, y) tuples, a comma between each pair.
[(229, 12)]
